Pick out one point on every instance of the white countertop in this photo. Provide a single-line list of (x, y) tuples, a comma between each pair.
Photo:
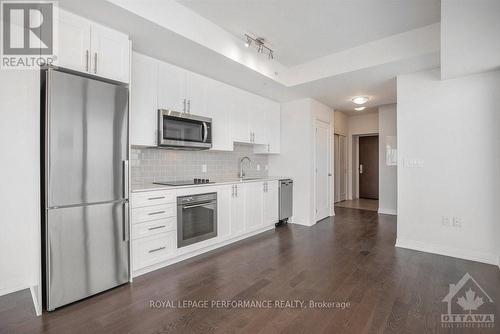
[(152, 187)]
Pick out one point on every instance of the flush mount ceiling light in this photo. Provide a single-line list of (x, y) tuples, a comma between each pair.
[(261, 45), (360, 108), (360, 100)]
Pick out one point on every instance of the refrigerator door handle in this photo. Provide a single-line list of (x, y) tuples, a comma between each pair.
[(125, 178), (126, 223)]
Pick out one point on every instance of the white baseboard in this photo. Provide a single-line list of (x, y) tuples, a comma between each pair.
[(388, 211), (36, 302), (459, 253)]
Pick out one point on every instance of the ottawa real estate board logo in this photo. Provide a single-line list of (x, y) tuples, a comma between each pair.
[(28, 36), (468, 306)]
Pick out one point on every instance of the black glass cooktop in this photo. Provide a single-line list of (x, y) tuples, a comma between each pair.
[(184, 182)]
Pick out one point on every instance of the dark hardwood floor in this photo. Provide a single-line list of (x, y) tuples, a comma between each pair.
[(350, 257)]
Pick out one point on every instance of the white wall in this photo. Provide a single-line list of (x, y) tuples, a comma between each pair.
[(296, 158), (357, 125), (19, 179), (470, 41), (387, 121), (340, 123), (295, 155), (452, 128)]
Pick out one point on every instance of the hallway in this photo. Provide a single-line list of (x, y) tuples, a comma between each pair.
[(360, 203)]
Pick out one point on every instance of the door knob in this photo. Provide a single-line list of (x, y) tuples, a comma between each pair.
[(360, 168)]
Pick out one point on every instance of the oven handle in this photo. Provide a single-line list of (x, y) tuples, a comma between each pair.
[(205, 132), (197, 205)]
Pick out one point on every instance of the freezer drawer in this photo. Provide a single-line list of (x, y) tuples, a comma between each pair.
[(87, 251), (285, 199)]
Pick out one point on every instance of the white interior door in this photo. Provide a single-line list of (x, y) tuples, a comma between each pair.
[(342, 168), (336, 168), (322, 169)]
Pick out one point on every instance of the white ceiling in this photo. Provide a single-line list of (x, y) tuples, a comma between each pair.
[(302, 30), (378, 83)]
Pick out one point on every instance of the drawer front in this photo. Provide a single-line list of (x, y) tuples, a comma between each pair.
[(154, 249), (153, 213), (138, 200), (153, 227)]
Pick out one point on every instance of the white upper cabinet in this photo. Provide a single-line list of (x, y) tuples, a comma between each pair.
[(88, 47), (237, 116), (171, 88), (257, 117), (143, 101), (74, 42), (271, 128), (110, 53), (196, 94), (182, 91), (219, 107)]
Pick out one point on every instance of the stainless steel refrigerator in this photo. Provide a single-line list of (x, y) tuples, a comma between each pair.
[(85, 228)]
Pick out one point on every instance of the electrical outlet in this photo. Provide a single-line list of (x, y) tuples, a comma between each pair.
[(203, 168), (457, 222), (413, 163), (446, 221), (258, 167)]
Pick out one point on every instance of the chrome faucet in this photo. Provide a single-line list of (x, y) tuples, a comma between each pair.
[(242, 173)]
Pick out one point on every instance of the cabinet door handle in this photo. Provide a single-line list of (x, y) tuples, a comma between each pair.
[(156, 213), (95, 63), (156, 249), (184, 106), (156, 227), (87, 59), (236, 190), (153, 198), (189, 106), (232, 191)]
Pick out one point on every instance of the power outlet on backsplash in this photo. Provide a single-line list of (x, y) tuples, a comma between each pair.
[(150, 164)]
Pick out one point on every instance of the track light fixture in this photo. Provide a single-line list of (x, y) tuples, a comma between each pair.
[(248, 42), (261, 46)]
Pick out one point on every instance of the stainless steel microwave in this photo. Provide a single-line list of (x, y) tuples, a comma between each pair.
[(184, 131)]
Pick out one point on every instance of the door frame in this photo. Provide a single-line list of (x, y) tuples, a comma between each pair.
[(327, 125), (341, 172), (355, 162)]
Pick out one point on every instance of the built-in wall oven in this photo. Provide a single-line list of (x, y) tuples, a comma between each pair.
[(184, 131), (196, 218)]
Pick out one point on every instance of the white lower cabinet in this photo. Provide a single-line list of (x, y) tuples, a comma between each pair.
[(237, 210), (271, 203), (243, 209), (154, 249), (254, 193), (224, 201)]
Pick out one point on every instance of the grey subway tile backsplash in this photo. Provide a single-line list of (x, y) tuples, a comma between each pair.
[(153, 164)]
